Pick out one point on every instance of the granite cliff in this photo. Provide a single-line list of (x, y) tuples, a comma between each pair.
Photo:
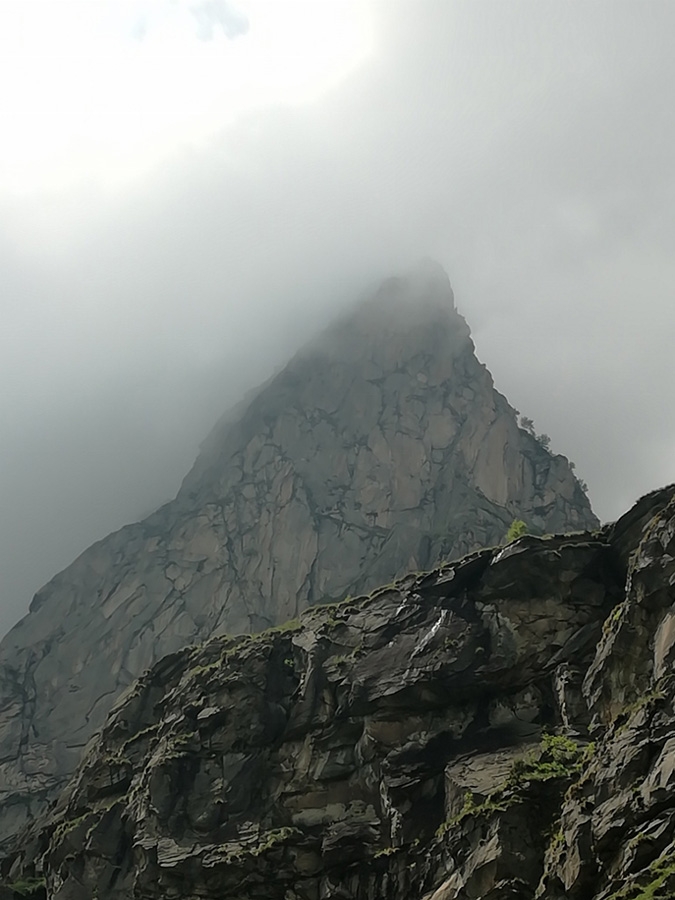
[(381, 448), (499, 727)]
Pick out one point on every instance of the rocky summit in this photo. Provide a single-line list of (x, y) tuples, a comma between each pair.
[(499, 727), (381, 448)]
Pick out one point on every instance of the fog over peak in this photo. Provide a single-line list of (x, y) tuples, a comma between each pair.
[(526, 147)]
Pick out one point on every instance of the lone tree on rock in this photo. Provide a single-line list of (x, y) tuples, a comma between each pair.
[(517, 529)]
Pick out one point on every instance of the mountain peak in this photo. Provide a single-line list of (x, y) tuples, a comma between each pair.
[(381, 448), (429, 274), (412, 314), (424, 286)]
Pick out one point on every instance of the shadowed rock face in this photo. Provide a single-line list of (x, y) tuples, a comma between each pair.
[(382, 447), (480, 731)]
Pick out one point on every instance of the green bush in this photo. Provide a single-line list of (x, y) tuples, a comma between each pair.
[(517, 529)]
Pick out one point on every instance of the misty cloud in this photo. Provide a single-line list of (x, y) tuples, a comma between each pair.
[(529, 148), (211, 14), (139, 28)]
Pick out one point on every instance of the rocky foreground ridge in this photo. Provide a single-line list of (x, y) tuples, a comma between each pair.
[(500, 727), (382, 447)]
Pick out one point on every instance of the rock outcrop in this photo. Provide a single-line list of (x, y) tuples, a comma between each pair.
[(382, 447), (500, 727)]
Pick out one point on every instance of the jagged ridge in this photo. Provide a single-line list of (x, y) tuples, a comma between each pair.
[(499, 727)]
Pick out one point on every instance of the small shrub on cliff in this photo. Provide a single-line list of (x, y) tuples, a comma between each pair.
[(517, 529), (30, 888), (557, 757)]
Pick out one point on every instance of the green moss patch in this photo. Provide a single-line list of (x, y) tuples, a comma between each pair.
[(656, 883)]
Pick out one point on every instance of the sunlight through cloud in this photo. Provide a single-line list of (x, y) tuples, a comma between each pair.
[(105, 92)]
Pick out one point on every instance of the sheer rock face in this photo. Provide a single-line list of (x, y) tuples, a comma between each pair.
[(475, 732), (381, 448)]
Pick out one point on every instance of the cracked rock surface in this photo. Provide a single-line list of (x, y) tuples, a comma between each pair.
[(478, 731), (383, 447)]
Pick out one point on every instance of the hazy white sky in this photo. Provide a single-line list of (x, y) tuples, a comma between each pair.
[(189, 189), (100, 94)]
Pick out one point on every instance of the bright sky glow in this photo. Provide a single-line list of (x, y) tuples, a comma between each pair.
[(104, 91)]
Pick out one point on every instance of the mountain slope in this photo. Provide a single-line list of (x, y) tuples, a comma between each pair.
[(380, 448), (501, 727)]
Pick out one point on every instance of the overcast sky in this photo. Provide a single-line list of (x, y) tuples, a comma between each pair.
[(188, 190)]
